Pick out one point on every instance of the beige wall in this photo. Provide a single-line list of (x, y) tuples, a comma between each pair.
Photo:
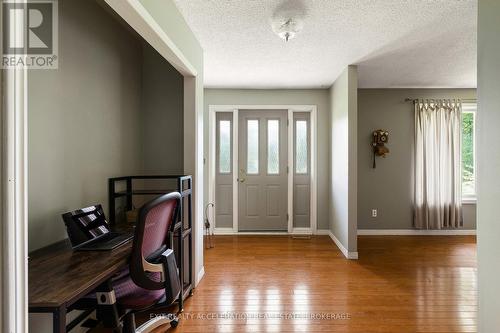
[(489, 165), (389, 188), (343, 159), (82, 118), (162, 102), (317, 97)]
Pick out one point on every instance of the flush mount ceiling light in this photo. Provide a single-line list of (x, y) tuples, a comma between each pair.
[(287, 28), (287, 19)]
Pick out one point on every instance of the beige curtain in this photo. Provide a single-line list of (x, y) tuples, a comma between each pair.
[(438, 169)]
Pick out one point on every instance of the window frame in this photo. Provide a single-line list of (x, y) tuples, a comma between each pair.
[(472, 109)]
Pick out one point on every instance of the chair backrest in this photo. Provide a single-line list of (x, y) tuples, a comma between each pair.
[(153, 235)]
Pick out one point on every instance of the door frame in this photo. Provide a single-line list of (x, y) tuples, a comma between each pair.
[(13, 196), (291, 109)]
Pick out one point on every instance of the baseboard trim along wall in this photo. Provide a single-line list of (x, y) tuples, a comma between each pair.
[(347, 254), (201, 273), (302, 231), (414, 232), (231, 231), (224, 231)]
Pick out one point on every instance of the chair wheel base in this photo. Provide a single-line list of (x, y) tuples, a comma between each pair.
[(174, 322)]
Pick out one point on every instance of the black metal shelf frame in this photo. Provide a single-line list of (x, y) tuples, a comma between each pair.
[(182, 228)]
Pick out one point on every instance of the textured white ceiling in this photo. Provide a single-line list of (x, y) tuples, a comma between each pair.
[(396, 43)]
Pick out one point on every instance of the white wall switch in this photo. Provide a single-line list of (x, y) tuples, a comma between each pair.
[(374, 213)]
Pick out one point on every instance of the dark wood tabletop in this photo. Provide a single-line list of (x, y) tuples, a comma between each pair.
[(59, 276)]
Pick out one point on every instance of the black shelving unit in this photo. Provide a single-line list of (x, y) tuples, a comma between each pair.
[(183, 233)]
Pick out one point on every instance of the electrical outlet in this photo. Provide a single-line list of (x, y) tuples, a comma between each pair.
[(374, 213)]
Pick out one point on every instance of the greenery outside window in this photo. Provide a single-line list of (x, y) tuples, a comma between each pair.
[(469, 151)]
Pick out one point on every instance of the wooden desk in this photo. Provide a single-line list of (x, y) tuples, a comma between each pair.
[(58, 277)]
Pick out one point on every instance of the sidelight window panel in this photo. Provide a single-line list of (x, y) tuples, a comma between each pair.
[(225, 146), (301, 147)]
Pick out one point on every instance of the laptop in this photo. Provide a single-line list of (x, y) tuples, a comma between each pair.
[(88, 230)]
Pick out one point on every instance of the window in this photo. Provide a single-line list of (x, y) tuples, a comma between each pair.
[(273, 148), (225, 146), (301, 154), (252, 147), (468, 150)]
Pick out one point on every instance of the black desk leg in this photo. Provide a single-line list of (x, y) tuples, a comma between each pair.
[(59, 320), (107, 311)]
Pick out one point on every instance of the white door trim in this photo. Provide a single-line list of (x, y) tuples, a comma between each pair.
[(290, 169), (13, 196), (312, 109), (236, 121), (14, 230), (211, 166)]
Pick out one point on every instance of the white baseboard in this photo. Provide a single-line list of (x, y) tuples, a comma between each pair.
[(414, 232), (201, 274), (302, 231), (230, 231), (345, 252), (224, 231), (324, 232), (262, 233)]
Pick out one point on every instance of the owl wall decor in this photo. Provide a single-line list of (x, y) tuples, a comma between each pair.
[(379, 139)]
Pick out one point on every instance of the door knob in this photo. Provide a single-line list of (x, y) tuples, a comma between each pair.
[(241, 177)]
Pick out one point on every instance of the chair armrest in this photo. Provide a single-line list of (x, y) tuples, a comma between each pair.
[(171, 276), (154, 268), (166, 254)]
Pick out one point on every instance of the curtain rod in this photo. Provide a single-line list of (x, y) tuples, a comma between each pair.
[(414, 100)]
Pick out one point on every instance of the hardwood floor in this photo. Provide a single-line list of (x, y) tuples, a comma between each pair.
[(399, 284)]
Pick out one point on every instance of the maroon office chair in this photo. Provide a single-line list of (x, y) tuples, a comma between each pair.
[(152, 279)]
